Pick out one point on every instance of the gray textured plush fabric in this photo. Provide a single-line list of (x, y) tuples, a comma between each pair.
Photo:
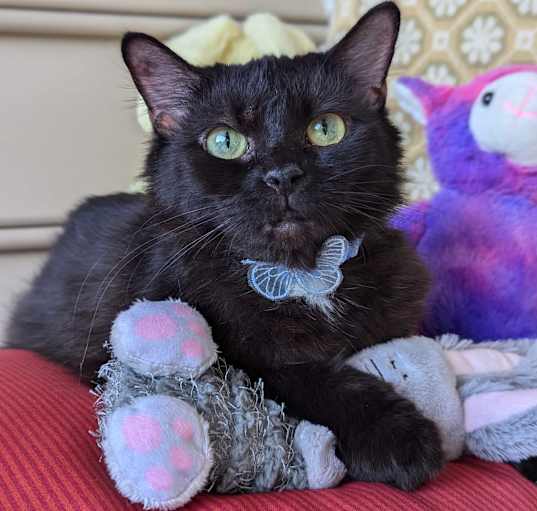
[(238, 441), (252, 439), (174, 419), (511, 440), (514, 439)]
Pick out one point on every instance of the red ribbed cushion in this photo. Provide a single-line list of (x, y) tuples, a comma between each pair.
[(48, 460)]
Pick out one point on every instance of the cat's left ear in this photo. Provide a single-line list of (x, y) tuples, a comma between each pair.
[(366, 52), (165, 80)]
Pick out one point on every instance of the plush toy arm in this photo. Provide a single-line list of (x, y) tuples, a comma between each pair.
[(469, 359), (317, 445), (411, 220), (163, 338)]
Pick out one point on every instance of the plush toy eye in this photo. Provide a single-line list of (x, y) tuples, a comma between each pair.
[(226, 143), (327, 129), (487, 98)]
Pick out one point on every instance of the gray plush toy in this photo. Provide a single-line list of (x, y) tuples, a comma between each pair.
[(175, 420), (482, 396)]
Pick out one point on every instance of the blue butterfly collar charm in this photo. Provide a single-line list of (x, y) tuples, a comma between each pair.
[(277, 282)]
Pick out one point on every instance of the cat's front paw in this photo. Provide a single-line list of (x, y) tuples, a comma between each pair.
[(402, 448)]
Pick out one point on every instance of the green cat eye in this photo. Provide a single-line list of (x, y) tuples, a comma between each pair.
[(226, 143), (327, 129)]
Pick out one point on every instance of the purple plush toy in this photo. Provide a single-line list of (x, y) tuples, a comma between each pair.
[(478, 235)]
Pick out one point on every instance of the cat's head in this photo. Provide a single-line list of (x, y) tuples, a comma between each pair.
[(272, 157)]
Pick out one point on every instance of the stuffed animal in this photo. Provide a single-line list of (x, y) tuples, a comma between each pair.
[(478, 235), (175, 420), (482, 397)]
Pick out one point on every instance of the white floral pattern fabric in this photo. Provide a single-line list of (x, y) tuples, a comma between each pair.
[(526, 6), (421, 184), (440, 74), (445, 7), (409, 43), (482, 39)]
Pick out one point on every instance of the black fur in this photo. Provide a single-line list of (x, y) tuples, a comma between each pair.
[(203, 215), (528, 468)]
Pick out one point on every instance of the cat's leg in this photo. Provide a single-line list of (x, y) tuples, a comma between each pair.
[(382, 437), (528, 468)]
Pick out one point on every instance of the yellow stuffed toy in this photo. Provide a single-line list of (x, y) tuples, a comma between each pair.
[(223, 40)]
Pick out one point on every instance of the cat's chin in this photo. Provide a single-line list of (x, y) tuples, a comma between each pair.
[(292, 242), (290, 226), (287, 230)]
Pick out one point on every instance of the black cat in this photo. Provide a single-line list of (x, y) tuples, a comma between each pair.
[(262, 161)]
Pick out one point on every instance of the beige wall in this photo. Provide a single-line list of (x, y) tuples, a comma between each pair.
[(67, 121), (16, 270)]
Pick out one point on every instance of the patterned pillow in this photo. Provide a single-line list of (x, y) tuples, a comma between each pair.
[(449, 42)]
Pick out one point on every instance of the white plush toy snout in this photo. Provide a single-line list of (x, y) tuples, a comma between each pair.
[(503, 119)]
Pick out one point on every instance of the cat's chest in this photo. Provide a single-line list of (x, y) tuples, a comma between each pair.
[(301, 337), (249, 326), (283, 331)]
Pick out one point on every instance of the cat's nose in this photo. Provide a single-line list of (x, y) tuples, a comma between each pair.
[(284, 179)]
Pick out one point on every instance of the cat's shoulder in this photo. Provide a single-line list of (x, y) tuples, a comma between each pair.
[(117, 204), (387, 241), (104, 217)]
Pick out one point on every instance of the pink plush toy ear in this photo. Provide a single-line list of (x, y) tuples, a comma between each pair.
[(481, 360), (493, 407), (490, 407), (420, 98)]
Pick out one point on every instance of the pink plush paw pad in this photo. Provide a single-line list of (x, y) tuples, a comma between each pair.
[(159, 478), (181, 459), (197, 328), (193, 349), (183, 428), (163, 338), (142, 433), (157, 447), (183, 311), (156, 327)]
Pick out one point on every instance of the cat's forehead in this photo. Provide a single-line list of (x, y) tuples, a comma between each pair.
[(277, 86), (278, 74)]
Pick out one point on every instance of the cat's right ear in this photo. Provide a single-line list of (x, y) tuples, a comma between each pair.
[(165, 81), (367, 50)]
